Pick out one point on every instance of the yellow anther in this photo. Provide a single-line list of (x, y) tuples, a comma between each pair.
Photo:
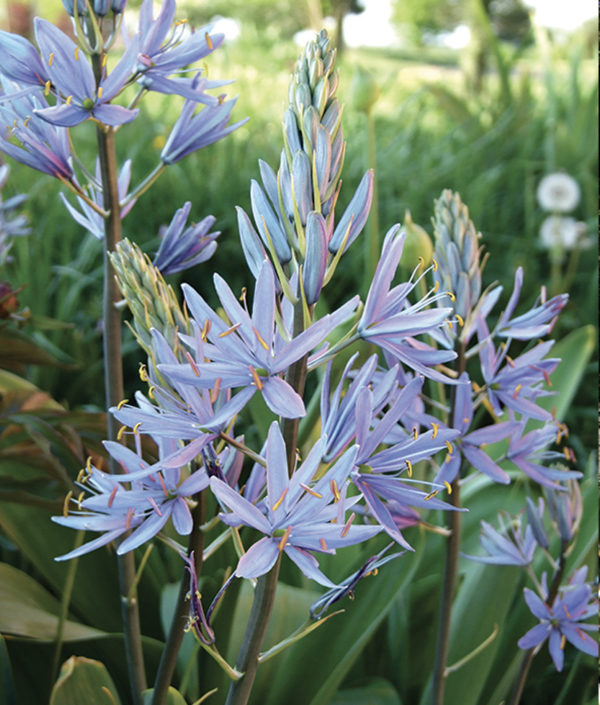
[(334, 491), (436, 286), (308, 489), (450, 324), (136, 428), (435, 427), (460, 319), (243, 294), (104, 60), (79, 498), (448, 486), (448, 458), (208, 41), (435, 265), (261, 340), (69, 99), (323, 544), (113, 494), (100, 91), (76, 53), (421, 262), (205, 329), (51, 58), (277, 504), (143, 372), (348, 524), (450, 448), (151, 389), (180, 22), (256, 378), (517, 390), (47, 88), (410, 467), (80, 476), (563, 641), (483, 445), (221, 99), (66, 503), (284, 538), (88, 464), (26, 121), (121, 432), (451, 296), (121, 404), (431, 495), (229, 331)]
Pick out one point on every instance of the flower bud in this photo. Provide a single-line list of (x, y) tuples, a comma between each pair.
[(81, 7), (417, 244)]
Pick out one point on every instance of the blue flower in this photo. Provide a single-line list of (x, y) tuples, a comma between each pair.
[(21, 61), (249, 352), (508, 546), (471, 445), (160, 55), (157, 494), (195, 130), (346, 587), (525, 451), (41, 146), (73, 81), (563, 620), (516, 383), (296, 516), (537, 322), (182, 248), (391, 322)]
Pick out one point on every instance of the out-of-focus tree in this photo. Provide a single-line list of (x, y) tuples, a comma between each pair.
[(338, 9), (282, 17), (418, 19)]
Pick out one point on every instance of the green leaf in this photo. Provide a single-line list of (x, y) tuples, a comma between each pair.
[(377, 692), (7, 688), (27, 609), (84, 680), (40, 540), (174, 697), (313, 668), (483, 603), (17, 350), (575, 351)]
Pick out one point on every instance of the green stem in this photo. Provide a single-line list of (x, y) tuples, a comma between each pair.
[(521, 679), (168, 659), (450, 573), (113, 385), (64, 606)]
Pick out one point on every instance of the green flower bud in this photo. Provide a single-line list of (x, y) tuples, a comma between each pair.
[(417, 244)]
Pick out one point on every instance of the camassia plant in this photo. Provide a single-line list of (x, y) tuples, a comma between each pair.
[(275, 432)]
